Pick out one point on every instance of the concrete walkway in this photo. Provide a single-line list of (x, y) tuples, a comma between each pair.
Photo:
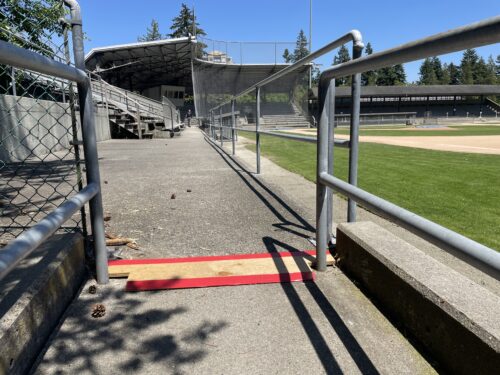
[(324, 327)]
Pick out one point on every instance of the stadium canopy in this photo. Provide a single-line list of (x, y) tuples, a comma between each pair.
[(430, 90), (138, 66)]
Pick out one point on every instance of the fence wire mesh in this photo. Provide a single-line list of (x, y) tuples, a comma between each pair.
[(284, 102), (39, 155)]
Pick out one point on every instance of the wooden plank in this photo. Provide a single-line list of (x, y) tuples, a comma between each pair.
[(148, 274)]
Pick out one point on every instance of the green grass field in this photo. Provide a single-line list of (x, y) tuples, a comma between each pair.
[(457, 131), (457, 190)]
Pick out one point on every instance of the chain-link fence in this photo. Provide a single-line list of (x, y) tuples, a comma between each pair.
[(248, 52), (39, 152)]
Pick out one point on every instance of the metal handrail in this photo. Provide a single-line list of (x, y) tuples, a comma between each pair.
[(470, 36), (474, 35), (353, 35), (19, 248), (27, 242)]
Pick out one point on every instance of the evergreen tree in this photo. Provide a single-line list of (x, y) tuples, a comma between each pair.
[(498, 68), (287, 56), (342, 57), (427, 73), (399, 75), (152, 33), (454, 73), (301, 49), (487, 71), (468, 67), (445, 79), (438, 68), (369, 78), (391, 76), (182, 25)]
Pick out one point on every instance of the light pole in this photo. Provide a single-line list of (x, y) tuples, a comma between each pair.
[(310, 40)]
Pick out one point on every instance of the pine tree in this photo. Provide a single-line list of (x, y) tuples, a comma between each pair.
[(182, 25), (399, 75), (427, 73), (152, 33), (445, 79), (391, 76), (301, 49), (468, 67), (498, 69), (489, 75), (287, 56), (342, 57), (438, 68), (369, 78), (454, 73)]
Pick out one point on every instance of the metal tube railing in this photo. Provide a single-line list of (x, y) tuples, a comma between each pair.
[(21, 58), (89, 146), (474, 35), (30, 240), (470, 36), (424, 228), (355, 37), (344, 143)]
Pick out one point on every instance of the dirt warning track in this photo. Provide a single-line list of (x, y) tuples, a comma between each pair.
[(478, 144)]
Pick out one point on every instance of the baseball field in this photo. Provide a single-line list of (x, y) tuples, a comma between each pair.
[(452, 179)]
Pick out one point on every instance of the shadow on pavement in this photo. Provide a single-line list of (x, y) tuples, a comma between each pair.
[(125, 331), (312, 330)]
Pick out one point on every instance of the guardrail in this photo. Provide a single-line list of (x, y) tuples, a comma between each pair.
[(353, 36), (23, 245), (136, 103), (474, 35), (470, 36)]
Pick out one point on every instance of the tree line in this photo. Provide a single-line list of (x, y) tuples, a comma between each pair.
[(472, 69), (182, 25)]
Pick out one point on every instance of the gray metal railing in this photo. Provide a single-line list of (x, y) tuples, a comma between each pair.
[(470, 36), (474, 35), (23, 245), (353, 36), (164, 111)]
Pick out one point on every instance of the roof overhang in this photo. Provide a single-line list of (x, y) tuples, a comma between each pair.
[(431, 90), (137, 66)]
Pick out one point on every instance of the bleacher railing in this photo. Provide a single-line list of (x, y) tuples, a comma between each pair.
[(141, 106), (39, 62), (470, 36)]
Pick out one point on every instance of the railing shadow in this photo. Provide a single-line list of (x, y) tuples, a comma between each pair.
[(321, 346), (253, 183)]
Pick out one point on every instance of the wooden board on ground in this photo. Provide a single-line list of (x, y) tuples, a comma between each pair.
[(197, 272)]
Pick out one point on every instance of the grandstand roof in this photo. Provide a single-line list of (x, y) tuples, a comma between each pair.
[(137, 66), (431, 90)]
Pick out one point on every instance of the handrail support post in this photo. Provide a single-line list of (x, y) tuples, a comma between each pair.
[(257, 127), (354, 133), (233, 127), (322, 230)]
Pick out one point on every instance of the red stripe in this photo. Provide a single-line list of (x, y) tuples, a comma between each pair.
[(218, 281), (283, 254)]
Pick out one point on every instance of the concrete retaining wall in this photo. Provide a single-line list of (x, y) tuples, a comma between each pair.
[(30, 127), (34, 296), (454, 319)]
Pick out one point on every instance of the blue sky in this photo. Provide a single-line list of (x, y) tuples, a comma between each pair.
[(384, 23)]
